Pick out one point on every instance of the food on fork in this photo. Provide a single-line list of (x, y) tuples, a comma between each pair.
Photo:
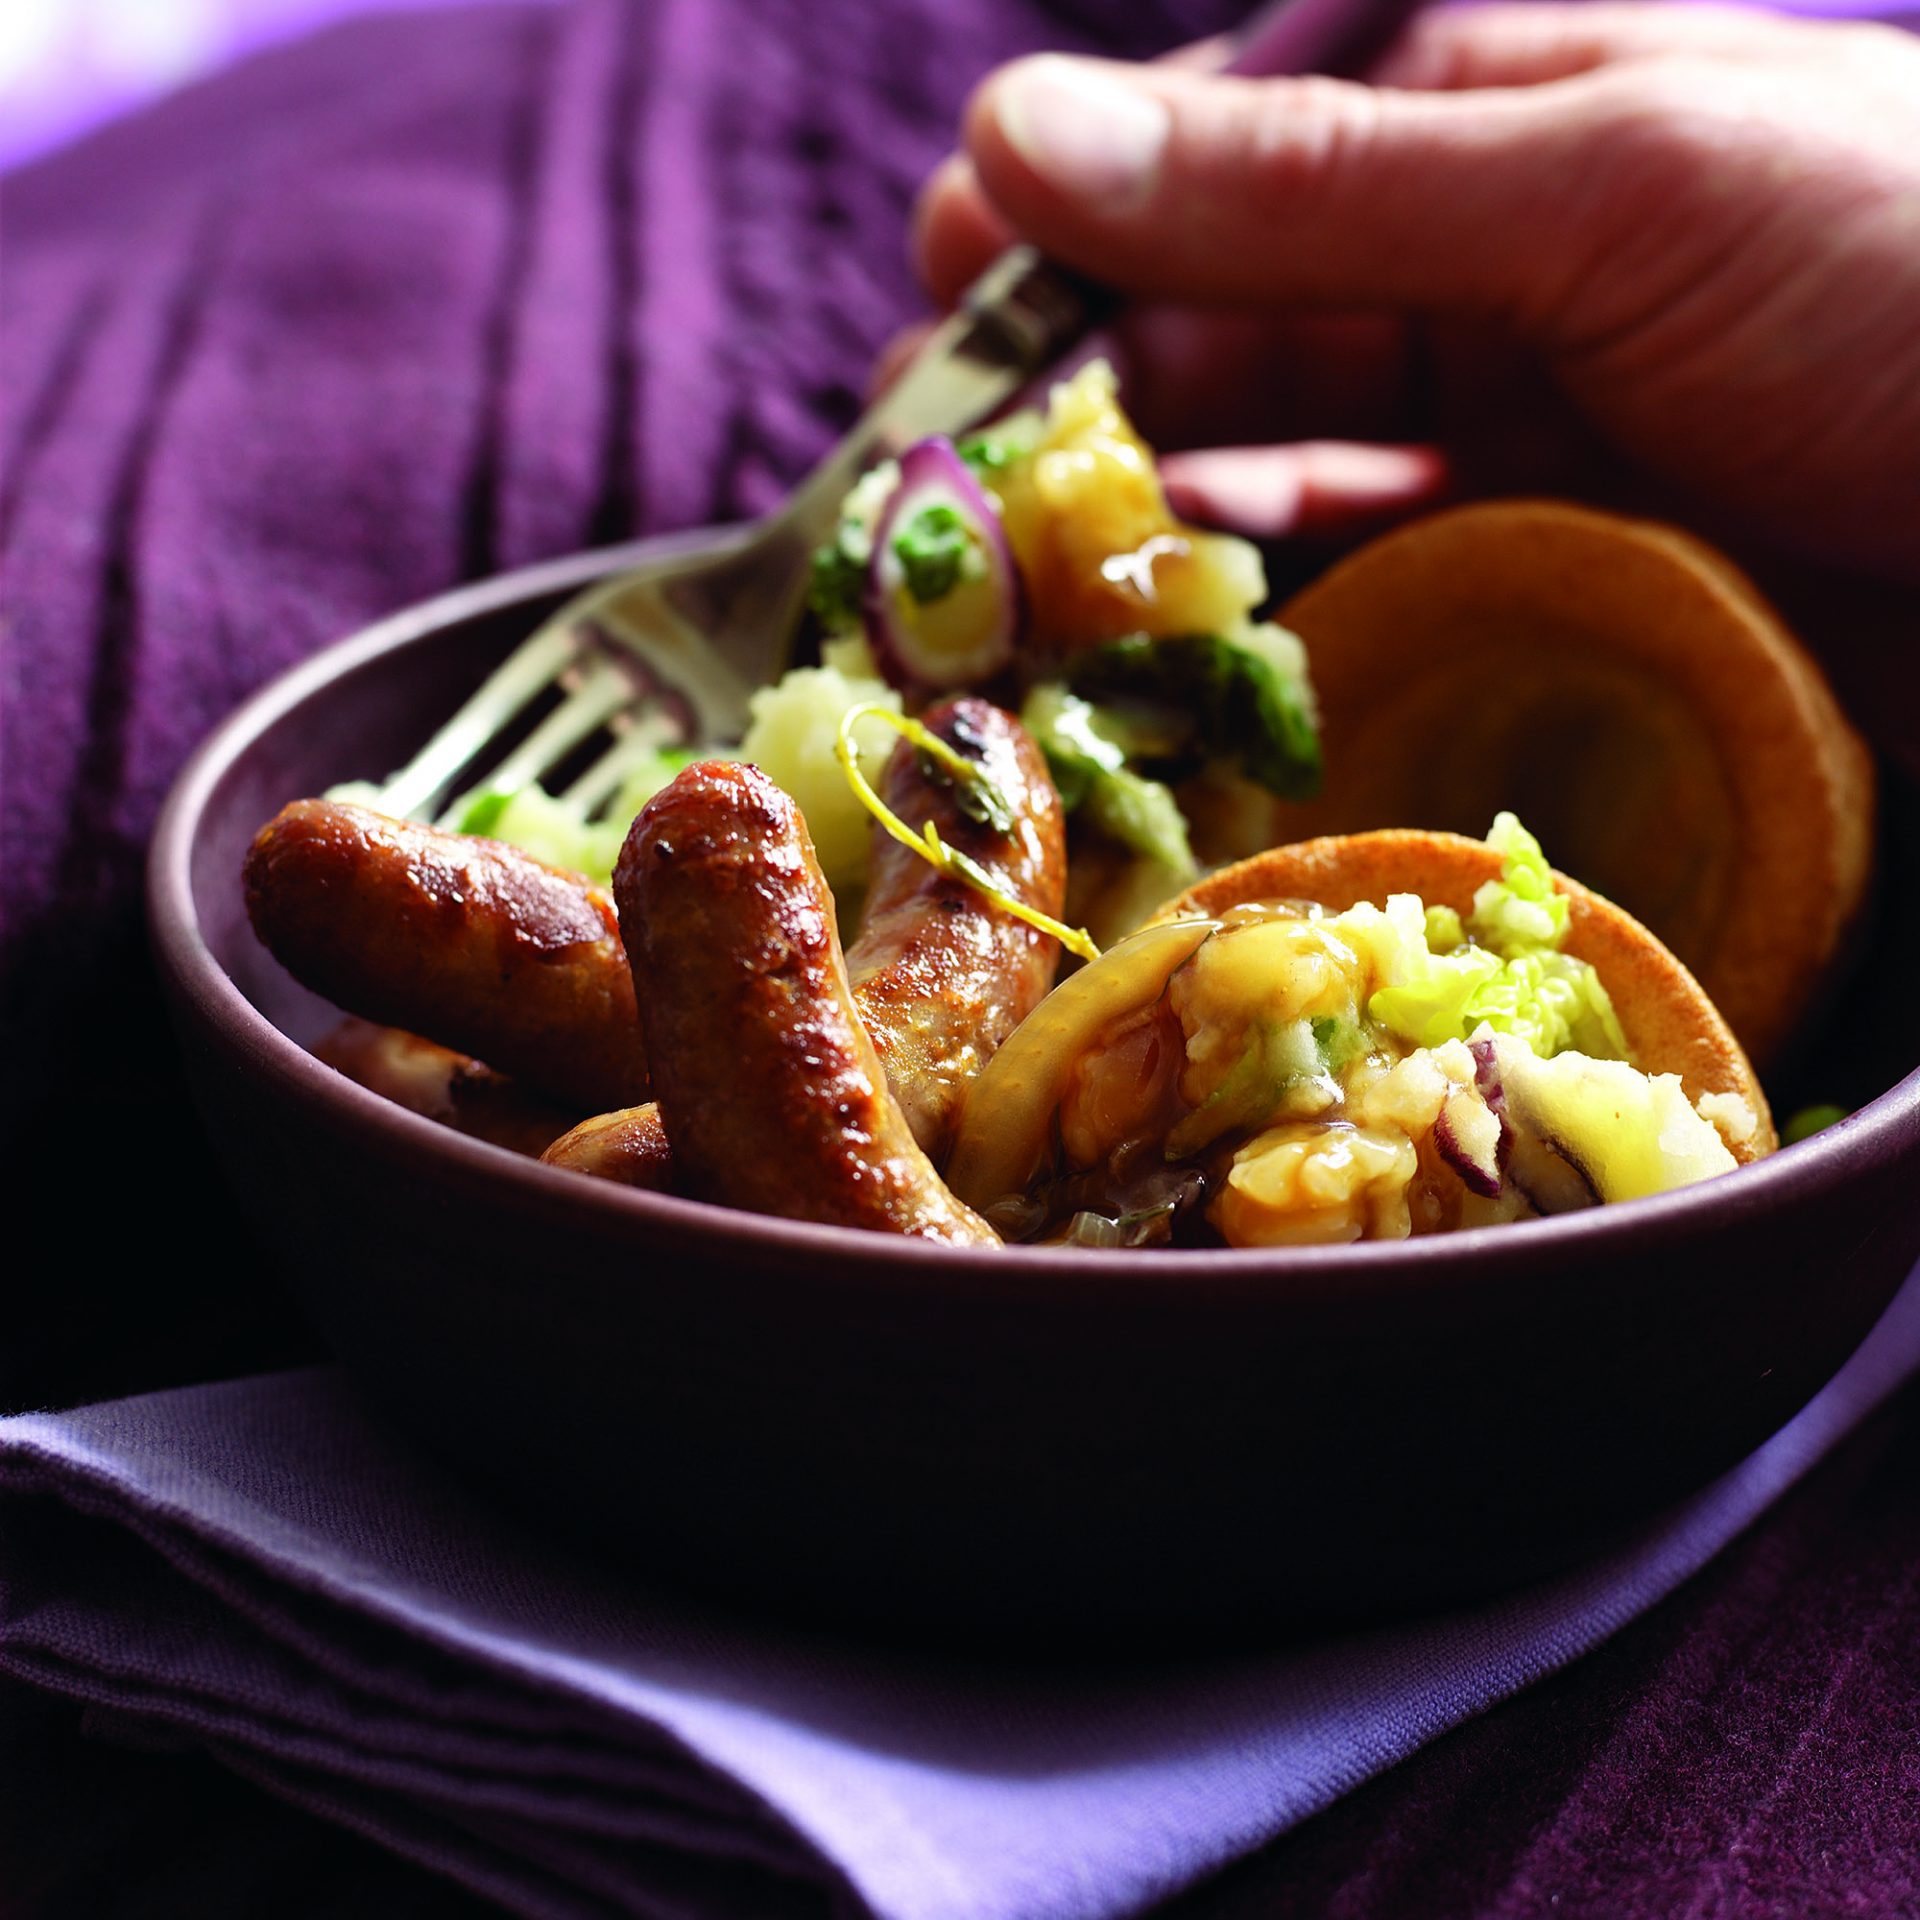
[(1155, 693), (1370, 1036), (1037, 563), (1623, 688)]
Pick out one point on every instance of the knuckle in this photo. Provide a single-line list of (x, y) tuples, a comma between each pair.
[(1670, 135), (1308, 135), (1875, 43), (1664, 109)]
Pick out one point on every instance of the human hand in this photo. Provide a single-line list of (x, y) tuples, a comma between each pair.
[(1681, 240)]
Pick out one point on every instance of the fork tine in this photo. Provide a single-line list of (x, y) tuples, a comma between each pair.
[(651, 730), (601, 693), (679, 655), (525, 674)]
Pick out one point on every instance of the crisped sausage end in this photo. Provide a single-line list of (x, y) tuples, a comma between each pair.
[(471, 942)]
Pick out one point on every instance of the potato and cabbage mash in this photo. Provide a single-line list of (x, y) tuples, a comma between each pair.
[(1139, 664), (1298, 1075)]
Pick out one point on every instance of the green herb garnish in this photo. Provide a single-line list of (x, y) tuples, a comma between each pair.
[(927, 842), (932, 549), (835, 585)]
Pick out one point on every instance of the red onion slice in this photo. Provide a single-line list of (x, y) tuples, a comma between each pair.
[(1550, 1177), (1472, 1139), (1542, 1168), (963, 630), (1486, 1071)]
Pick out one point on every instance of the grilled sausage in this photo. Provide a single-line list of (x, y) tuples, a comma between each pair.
[(490, 951), (628, 1146), (772, 1093), (445, 1086), (940, 974), (475, 944)]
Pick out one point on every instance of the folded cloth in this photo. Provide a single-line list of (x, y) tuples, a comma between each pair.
[(261, 1570)]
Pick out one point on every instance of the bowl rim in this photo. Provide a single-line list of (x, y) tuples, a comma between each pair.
[(1883, 1128)]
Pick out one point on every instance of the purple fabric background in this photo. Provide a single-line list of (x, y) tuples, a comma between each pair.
[(432, 295), (68, 65)]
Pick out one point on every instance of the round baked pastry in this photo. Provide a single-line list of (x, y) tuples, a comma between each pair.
[(1365, 1036), (1625, 690)]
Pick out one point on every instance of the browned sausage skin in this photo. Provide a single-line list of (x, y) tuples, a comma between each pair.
[(441, 1085), (940, 974), (477, 945), (773, 1096), (629, 1146), (490, 951)]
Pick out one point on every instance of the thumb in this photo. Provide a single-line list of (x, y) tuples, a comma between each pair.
[(1204, 188)]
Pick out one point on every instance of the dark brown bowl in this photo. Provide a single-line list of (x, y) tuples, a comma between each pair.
[(1030, 1443)]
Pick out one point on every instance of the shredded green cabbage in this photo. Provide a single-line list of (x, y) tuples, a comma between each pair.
[(552, 830), (1240, 700), (1503, 968), (1089, 767), (835, 585), (1519, 913), (837, 582), (1279, 1054)]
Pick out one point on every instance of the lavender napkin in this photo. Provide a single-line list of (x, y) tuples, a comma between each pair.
[(258, 1569)]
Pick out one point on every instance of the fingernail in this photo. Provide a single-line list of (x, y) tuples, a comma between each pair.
[(1083, 131)]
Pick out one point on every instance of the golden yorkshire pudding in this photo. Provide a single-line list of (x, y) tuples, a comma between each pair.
[(1670, 1022), (1627, 692), (1368, 1036)]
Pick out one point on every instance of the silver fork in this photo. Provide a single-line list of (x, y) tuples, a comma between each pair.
[(668, 654)]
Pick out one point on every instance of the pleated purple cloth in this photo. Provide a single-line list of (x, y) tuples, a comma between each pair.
[(417, 299), (257, 1569)]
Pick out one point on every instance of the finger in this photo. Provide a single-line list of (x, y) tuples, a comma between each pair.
[(1520, 45), (1201, 56), (1325, 486), (957, 232), (1199, 377), (1289, 190)]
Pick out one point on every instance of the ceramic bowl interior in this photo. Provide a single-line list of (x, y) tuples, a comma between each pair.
[(1037, 1444)]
